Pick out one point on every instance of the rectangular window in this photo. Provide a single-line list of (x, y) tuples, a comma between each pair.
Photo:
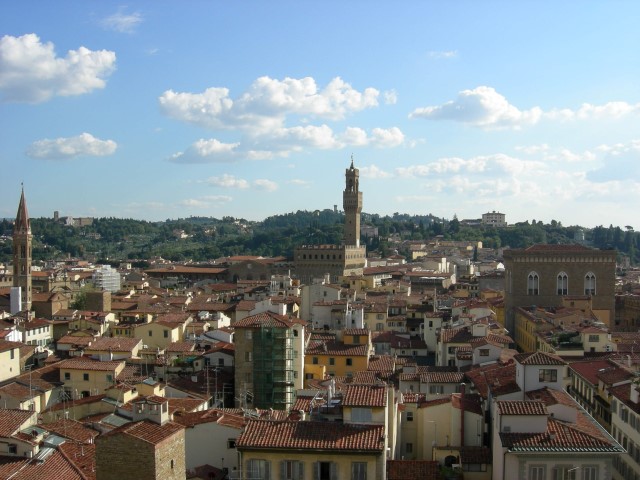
[(109, 378), (590, 472), (356, 339), (594, 338), (436, 389), (248, 356), (361, 415), (292, 470), (13, 354), (349, 362), (325, 471), (359, 471), (13, 448), (85, 377), (484, 352), (314, 360), (565, 473), (166, 333), (248, 334), (259, 469), (332, 361), (409, 416), (409, 448), (536, 472), (548, 375), (231, 443), (67, 375), (150, 333)]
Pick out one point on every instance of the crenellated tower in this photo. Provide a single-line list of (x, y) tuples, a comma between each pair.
[(352, 204), (22, 246)]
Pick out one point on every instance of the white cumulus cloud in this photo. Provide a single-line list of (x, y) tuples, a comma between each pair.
[(373, 171), (206, 201), (207, 151), (227, 181), (266, 185), (122, 22), (30, 71), (267, 103), (483, 107), (84, 144)]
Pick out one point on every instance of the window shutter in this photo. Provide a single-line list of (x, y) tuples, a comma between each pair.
[(316, 470), (283, 469), (334, 471)]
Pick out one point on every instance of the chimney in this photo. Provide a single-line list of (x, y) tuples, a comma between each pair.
[(462, 388)]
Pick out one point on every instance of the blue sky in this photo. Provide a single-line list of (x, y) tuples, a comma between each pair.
[(156, 110)]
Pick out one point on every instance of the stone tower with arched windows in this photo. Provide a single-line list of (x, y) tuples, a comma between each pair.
[(352, 204), (22, 240), (547, 275), (314, 262)]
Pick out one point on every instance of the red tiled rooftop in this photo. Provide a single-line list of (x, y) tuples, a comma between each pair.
[(329, 436), (84, 363), (11, 420), (147, 431), (559, 437), (364, 396), (539, 358), (519, 407)]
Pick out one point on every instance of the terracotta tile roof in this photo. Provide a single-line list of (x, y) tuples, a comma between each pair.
[(71, 429), (337, 349), (559, 437), (11, 420), (328, 436), (442, 377), (588, 370), (382, 363), (116, 344), (85, 363), (181, 347), (456, 335), (146, 431), (412, 397), (366, 378), (613, 376), (364, 396), (519, 407), (82, 457), (623, 394), (356, 331), (413, 470), (192, 419), (550, 396), (78, 340), (17, 391), (268, 319), (6, 345), (55, 467), (539, 358)]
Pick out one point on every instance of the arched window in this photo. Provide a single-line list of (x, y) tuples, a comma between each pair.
[(533, 284), (562, 283), (590, 284)]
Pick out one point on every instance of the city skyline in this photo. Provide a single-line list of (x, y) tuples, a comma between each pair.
[(159, 110)]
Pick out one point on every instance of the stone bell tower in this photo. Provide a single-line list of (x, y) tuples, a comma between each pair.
[(352, 204), (22, 240)]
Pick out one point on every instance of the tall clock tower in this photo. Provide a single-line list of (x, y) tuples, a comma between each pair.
[(22, 240), (352, 204)]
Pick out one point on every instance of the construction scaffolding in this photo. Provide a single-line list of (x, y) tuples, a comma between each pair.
[(273, 368)]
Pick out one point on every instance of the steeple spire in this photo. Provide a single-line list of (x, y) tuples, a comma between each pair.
[(23, 224)]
